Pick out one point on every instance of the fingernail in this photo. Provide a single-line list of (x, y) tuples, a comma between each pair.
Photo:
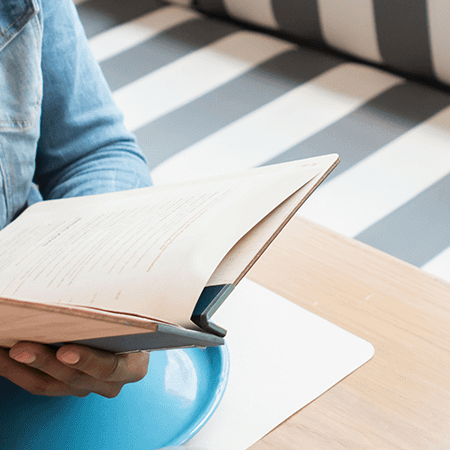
[(69, 357), (24, 357)]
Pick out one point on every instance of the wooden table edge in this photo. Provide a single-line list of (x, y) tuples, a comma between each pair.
[(401, 397)]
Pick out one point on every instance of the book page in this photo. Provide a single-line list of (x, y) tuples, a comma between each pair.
[(148, 251), (250, 247)]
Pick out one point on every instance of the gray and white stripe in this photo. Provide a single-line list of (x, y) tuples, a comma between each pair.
[(100, 15), (411, 36), (152, 54), (277, 126), (236, 99), (357, 135), (134, 32), (425, 235), (183, 127), (191, 76)]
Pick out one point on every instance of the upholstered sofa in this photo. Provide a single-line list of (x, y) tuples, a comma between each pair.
[(222, 85)]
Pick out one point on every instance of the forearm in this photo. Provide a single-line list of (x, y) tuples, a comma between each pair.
[(107, 169), (84, 148)]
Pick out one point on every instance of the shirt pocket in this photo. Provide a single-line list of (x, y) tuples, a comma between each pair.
[(20, 65)]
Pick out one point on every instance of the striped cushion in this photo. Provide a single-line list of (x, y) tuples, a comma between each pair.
[(206, 97), (410, 36)]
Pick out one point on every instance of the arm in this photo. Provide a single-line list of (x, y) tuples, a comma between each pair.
[(83, 149)]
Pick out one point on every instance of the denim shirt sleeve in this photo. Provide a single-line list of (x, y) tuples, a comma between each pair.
[(83, 147)]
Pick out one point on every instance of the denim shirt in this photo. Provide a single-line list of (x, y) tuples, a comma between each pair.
[(59, 127)]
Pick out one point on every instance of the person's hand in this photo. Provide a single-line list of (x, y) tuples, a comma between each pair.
[(71, 370)]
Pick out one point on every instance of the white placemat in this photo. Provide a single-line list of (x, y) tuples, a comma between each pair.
[(282, 358)]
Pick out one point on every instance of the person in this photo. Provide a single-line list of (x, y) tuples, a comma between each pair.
[(61, 135)]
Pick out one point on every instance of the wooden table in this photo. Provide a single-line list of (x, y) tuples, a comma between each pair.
[(400, 399)]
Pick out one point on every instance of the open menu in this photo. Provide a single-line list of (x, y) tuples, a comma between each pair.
[(144, 269)]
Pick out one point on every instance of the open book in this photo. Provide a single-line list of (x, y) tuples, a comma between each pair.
[(144, 269)]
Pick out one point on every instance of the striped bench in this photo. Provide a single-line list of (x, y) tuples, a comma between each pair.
[(243, 83)]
